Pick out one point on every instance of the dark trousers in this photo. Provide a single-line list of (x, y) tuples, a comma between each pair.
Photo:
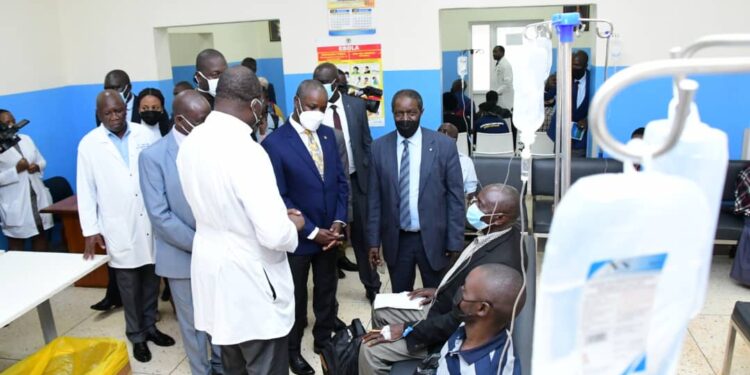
[(259, 357), (325, 280), (139, 289), (411, 253), (113, 291), (367, 275)]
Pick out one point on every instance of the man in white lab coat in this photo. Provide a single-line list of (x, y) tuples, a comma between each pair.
[(502, 80), (113, 217), (243, 294)]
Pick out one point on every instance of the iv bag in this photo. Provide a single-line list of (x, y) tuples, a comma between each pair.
[(622, 251), (531, 68), (701, 155)]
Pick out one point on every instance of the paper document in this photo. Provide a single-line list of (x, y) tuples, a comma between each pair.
[(397, 301)]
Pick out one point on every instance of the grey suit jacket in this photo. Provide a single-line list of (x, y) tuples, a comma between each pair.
[(441, 198), (170, 214)]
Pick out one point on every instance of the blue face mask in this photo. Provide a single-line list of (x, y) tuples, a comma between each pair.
[(474, 216), (329, 89)]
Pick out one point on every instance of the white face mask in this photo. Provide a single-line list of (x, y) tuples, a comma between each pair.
[(310, 120), (212, 83)]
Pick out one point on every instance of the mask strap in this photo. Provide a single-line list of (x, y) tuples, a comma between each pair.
[(187, 121)]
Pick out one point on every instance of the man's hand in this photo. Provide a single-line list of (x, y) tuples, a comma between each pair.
[(91, 243), (296, 217), (583, 123), (33, 168), (375, 337), (326, 238), (427, 293), (374, 256), (22, 165)]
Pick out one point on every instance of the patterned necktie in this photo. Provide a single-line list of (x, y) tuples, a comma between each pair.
[(403, 186), (336, 118), (315, 152)]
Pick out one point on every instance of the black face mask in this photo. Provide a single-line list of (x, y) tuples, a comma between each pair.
[(578, 73), (407, 128), (151, 117), (457, 298)]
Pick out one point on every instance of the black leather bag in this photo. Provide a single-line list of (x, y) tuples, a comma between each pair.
[(340, 355)]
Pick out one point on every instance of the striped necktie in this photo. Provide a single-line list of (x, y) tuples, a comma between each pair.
[(403, 186), (315, 153)]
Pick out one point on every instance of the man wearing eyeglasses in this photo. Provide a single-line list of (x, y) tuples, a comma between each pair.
[(411, 334)]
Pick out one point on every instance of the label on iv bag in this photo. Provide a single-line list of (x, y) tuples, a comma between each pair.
[(618, 300)]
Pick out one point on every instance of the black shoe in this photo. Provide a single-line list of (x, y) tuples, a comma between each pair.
[(339, 325), (159, 338), (298, 365), (166, 295), (370, 294), (317, 349), (106, 305), (347, 265), (341, 274), (141, 352)]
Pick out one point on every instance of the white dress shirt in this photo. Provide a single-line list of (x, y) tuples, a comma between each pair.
[(328, 120), (415, 161), (469, 173), (110, 202), (178, 137), (241, 281)]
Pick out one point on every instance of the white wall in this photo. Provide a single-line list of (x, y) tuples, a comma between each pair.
[(184, 46), (235, 40), (59, 42)]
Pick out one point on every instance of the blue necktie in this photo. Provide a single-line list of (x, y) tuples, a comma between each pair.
[(403, 186)]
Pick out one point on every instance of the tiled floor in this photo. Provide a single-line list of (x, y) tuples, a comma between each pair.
[(702, 354)]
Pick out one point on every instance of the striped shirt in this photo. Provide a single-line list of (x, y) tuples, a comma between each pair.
[(483, 360)]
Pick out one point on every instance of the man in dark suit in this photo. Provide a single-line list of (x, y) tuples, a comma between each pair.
[(209, 64), (416, 199), (355, 128), (311, 179), (494, 215), (580, 98)]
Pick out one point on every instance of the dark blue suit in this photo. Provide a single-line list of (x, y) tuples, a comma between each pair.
[(440, 206), (579, 113), (321, 201)]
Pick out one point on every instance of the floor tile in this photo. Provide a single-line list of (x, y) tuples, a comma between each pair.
[(692, 360), (710, 333)]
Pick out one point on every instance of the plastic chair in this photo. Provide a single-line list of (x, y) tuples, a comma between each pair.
[(489, 144), (740, 323)]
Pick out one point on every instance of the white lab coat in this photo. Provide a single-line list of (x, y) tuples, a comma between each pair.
[(503, 83), (15, 198), (241, 280), (110, 202)]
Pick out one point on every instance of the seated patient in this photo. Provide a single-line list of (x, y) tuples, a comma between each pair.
[(413, 334), (482, 344)]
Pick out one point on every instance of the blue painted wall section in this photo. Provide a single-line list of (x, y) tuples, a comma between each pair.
[(272, 69), (426, 82)]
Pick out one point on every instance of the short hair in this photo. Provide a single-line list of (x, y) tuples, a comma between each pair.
[(4, 111), (409, 93), (238, 84), (250, 63), (184, 84), (638, 132), (502, 284), (491, 96), (307, 85), (152, 92), (450, 103), (204, 56), (116, 75), (499, 48)]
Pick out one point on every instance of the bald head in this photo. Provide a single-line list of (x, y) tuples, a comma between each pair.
[(111, 111), (309, 87), (190, 109), (499, 285), (449, 129), (326, 73), (501, 205), (238, 84)]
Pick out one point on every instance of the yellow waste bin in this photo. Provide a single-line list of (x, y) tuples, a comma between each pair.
[(76, 356)]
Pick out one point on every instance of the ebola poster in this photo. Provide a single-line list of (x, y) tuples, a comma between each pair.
[(362, 67)]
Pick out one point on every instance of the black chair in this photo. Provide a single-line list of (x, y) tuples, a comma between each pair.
[(730, 225), (59, 188), (740, 323)]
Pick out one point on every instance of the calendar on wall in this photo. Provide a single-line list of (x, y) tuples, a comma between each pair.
[(351, 17)]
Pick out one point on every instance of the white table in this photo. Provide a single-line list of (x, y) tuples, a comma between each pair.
[(30, 279)]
